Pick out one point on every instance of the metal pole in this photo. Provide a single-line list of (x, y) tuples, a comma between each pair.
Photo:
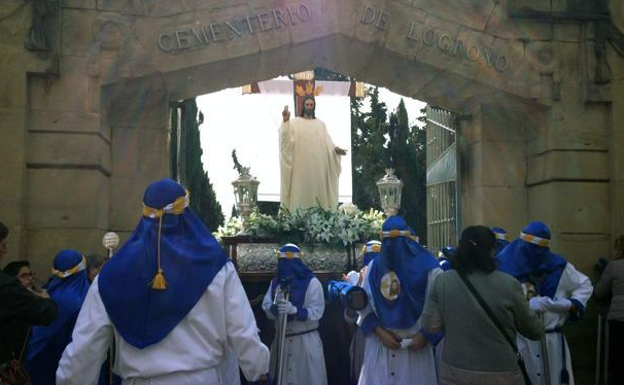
[(606, 354), (277, 371), (282, 341), (598, 350), (545, 360)]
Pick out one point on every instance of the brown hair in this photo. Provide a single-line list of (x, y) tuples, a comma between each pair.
[(474, 252)]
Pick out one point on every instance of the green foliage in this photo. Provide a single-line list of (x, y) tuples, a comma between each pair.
[(325, 74), (368, 133), (237, 166), (308, 226), (203, 198), (407, 151), (381, 141)]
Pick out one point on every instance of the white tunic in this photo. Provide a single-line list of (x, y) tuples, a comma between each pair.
[(309, 165), (304, 360), (228, 367), (572, 285), (189, 355), (396, 367)]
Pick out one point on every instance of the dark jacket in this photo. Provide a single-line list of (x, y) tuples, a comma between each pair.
[(612, 285), (19, 309)]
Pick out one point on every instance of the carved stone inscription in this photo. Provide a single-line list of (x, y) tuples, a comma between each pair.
[(440, 40), (201, 34)]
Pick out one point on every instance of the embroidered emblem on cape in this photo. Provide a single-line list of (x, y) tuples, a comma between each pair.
[(390, 286)]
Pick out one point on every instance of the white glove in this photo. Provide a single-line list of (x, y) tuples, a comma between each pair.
[(285, 307), (353, 277), (540, 304), (405, 343), (560, 305)]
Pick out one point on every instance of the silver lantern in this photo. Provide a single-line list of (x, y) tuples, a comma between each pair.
[(390, 188), (246, 194)]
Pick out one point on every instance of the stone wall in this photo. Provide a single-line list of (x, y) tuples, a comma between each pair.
[(84, 100), (85, 121)]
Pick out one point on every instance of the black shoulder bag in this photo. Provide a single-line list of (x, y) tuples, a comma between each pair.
[(13, 373), (498, 325)]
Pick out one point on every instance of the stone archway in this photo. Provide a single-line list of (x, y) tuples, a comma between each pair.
[(537, 130), (539, 89)]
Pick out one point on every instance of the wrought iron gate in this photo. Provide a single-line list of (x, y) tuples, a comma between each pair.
[(442, 197)]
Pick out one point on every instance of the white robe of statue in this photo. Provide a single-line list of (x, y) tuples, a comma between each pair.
[(309, 165)]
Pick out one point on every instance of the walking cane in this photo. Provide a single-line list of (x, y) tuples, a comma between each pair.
[(598, 351), (606, 353), (110, 242), (281, 323), (545, 360)]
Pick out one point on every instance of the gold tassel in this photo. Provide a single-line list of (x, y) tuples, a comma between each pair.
[(159, 282)]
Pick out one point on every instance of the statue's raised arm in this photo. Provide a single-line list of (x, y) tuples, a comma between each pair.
[(286, 114)]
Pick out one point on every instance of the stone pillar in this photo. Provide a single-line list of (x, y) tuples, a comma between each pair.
[(139, 117), (13, 105), (568, 177), (492, 168), (616, 134), (68, 164)]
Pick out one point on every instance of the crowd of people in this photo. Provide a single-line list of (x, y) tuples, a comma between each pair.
[(169, 308)]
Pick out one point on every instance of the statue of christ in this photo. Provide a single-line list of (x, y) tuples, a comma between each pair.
[(309, 161)]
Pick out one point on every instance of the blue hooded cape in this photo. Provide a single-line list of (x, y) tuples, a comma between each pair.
[(370, 256), (500, 243), (444, 257), (528, 262), (412, 263), (300, 274), (47, 343), (190, 258)]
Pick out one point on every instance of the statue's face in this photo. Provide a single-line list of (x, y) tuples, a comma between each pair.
[(308, 107)]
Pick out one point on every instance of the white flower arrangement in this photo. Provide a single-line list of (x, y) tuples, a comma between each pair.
[(315, 225)]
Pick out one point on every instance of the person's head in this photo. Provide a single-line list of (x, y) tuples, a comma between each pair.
[(535, 243), (370, 251), (308, 106), (68, 262), (69, 269), (475, 251), (289, 263), (502, 239), (4, 235), (95, 262), (394, 232), (446, 252), (21, 271)]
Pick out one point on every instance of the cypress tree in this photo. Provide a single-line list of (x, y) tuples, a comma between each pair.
[(203, 198)]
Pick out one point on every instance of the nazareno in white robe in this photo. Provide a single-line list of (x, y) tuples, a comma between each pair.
[(192, 354), (396, 367), (304, 360), (572, 285), (309, 165)]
